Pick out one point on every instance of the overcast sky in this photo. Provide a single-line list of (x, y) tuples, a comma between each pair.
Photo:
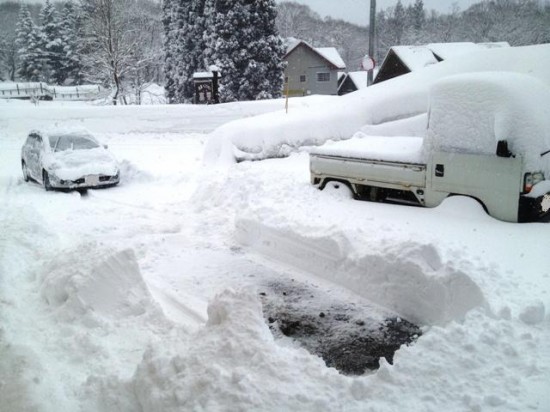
[(357, 11)]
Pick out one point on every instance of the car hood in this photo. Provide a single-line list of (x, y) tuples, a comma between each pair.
[(74, 164)]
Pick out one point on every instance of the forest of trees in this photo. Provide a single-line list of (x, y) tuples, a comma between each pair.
[(125, 44), (115, 43)]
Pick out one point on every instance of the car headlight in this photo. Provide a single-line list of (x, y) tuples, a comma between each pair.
[(531, 179)]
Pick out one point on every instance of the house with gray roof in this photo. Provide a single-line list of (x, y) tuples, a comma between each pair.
[(312, 70)]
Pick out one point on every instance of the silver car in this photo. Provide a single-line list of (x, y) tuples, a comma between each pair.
[(68, 160)]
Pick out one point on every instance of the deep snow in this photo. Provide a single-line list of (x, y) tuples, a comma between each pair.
[(146, 296)]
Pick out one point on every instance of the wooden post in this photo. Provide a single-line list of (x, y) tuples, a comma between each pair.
[(16, 85), (286, 98)]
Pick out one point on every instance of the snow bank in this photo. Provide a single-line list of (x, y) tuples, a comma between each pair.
[(470, 113), (277, 134), (227, 365), (408, 277), (100, 284), (132, 173)]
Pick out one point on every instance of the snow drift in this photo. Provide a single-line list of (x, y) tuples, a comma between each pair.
[(101, 284), (223, 365)]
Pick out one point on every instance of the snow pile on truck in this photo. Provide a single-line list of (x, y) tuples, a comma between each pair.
[(470, 113)]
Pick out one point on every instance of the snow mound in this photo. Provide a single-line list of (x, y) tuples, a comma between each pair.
[(463, 207), (414, 126), (409, 278), (94, 283), (225, 366), (130, 173), (533, 313)]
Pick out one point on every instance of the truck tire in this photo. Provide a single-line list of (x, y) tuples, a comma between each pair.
[(338, 189)]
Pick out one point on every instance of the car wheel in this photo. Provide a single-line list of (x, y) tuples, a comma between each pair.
[(25, 171), (46, 180)]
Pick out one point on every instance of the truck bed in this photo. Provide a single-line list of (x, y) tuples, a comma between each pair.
[(397, 162), (397, 149)]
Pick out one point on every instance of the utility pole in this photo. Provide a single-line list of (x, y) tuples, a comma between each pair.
[(372, 34)]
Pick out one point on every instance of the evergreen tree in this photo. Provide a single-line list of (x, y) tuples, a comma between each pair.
[(27, 41), (418, 15), (242, 41), (51, 45), (170, 32), (189, 46), (70, 34), (184, 23)]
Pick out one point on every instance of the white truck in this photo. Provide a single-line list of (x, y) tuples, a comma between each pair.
[(488, 137)]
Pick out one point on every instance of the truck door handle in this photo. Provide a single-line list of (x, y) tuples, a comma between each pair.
[(439, 170)]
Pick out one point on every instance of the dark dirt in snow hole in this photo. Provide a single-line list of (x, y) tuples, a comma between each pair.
[(349, 336)]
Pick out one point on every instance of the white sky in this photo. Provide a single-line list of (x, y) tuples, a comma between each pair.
[(357, 11)]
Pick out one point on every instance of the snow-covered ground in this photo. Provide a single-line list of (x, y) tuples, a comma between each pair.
[(146, 296)]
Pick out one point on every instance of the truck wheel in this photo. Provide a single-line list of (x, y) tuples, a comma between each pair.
[(338, 189)]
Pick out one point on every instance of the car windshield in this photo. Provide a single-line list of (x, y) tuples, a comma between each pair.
[(72, 142)]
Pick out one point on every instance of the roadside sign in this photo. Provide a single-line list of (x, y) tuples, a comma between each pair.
[(367, 63)]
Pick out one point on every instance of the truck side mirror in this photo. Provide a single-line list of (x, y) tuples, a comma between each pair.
[(502, 149)]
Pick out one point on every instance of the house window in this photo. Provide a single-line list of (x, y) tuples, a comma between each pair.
[(323, 77), (303, 78)]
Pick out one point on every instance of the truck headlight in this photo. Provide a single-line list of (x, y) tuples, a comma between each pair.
[(531, 179)]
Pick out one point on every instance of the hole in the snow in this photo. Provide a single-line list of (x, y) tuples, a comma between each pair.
[(349, 336)]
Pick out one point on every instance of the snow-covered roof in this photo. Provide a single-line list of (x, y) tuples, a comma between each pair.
[(447, 50), (418, 57), (359, 79), (415, 57), (330, 54), (203, 75)]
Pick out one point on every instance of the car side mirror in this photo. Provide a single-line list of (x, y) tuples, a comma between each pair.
[(502, 149)]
